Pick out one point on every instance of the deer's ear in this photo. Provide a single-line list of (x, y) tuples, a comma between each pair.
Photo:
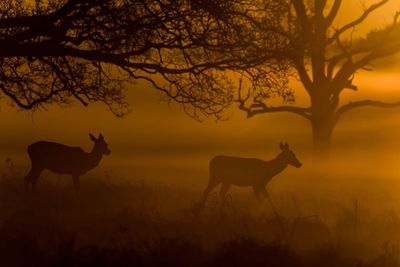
[(101, 136), (94, 139), (281, 146), (286, 145)]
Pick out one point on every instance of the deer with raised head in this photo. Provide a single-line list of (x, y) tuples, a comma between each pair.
[(63, 159), (227, 171)]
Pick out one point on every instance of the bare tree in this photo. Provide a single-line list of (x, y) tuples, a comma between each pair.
[(324, 58)]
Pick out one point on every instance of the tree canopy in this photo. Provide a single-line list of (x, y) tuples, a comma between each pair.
[(61, 51)]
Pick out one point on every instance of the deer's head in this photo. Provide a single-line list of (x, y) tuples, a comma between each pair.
[(288, 155), (100, 144)]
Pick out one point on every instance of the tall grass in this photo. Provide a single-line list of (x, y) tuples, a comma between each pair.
[(111, 223)]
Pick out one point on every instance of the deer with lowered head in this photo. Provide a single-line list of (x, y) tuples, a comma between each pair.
[(63, 159), (227, 171)]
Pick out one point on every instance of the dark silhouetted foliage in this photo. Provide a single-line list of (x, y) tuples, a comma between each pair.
[(59, 51)]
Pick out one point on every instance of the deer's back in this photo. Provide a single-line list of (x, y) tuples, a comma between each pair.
[(239, 171), (56, 157)]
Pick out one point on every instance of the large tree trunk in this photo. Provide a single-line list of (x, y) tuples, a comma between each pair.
[(322, 123), (322, 135)]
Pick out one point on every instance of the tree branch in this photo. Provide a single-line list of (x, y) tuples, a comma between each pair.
[(364, 103), (333, 12), (302, 72), (357, 21), (301, 12), (261, 108)]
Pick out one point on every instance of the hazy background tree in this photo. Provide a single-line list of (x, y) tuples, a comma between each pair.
[(325, 60), (297, 40)]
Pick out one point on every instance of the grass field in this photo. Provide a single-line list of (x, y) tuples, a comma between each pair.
[(113, 222)]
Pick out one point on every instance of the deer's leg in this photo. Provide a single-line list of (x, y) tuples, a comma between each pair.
[(210, 187), (36, 179), (256, 190), (28, 180), (264, 193), (77, 184), (32, 177), (224, 190)]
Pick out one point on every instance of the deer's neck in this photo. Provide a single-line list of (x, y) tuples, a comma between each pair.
[(93, 158), (277, 165)]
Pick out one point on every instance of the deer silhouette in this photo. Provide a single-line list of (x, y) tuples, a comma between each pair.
[(253, 172), (63, 159)]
